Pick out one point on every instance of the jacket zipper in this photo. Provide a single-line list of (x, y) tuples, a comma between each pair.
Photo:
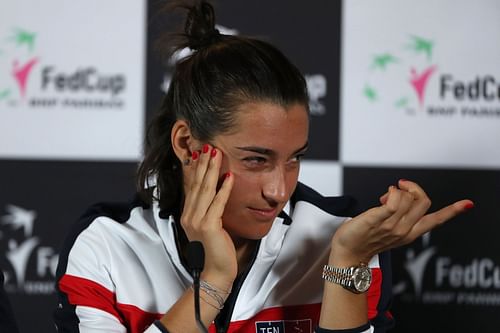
[(222, 324)]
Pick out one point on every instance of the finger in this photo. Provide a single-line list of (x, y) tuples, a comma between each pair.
[(191, 179), (422, 202), (377, 215), (412, 187), (194, 207), (430, 221), (216, 210), (383, 198), (213, 171), (400, 202), (198, 174), (201, 168), (208, 188), (397, 203)]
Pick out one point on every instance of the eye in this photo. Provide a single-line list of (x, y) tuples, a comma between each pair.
[(296, 158), (254, 161)]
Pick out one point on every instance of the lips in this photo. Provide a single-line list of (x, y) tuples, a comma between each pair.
[(264, 213)]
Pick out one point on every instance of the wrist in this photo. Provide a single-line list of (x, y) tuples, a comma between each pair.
[(216, 297), (222, 283), (341, 257)]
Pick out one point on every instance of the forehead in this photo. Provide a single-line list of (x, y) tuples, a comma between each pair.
[(269, 125)]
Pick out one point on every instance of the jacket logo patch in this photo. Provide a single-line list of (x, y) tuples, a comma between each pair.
[(284, 326)]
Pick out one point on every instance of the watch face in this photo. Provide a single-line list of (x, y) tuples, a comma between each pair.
[(362, 278)]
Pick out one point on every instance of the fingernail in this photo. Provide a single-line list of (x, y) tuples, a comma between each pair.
[(468, 206), (213, 152), (227, 174), (205, 148), (194, 155)]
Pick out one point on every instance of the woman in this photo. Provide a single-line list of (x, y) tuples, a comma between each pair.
[(221, 167)]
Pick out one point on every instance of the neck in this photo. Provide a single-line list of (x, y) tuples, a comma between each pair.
[(244, 250)]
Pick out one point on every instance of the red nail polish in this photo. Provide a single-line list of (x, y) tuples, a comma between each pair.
[(205, 148), (194, 155), (213, 152), (470, 205), (227, 174)]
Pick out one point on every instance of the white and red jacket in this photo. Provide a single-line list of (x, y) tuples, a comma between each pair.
[(120, 270)]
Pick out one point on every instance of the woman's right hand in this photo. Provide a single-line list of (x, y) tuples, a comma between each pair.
[(202, 215)]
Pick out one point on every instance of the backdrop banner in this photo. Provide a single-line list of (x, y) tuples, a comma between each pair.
[(449, 279), (71, 79), (38, 202), (398, 89), (420, 83)]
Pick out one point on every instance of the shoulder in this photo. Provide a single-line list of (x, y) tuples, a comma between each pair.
[(314, 216), (110, 214), (117, 211), (98, 226), (344, 206)]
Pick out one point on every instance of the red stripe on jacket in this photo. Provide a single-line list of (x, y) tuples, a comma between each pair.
[(85, 292), (374, 293)]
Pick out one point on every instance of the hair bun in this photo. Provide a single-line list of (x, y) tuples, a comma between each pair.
[(200, 26)]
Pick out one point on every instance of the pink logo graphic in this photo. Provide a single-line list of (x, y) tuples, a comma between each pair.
[(419, 82), (389, 67), (21, 74)]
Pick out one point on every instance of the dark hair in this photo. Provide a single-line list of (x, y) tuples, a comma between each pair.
[(221, 73)]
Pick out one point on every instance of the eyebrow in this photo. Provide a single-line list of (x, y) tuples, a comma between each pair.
[(270, 152)]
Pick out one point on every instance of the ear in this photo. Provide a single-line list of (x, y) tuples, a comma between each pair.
[(183, 142)]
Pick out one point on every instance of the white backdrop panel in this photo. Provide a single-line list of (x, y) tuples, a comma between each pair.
[(324, 177), (72, 79), (420, 83)]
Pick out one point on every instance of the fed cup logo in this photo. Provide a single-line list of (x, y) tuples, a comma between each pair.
[(411, 66), (19, 48), (415, 265), (408, 78), (434, 278), (28, 80), (28, 266)]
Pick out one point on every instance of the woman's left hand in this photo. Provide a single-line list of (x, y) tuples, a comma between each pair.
[(398, 221)]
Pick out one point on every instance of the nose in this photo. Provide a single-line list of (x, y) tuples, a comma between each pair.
[(274, 188)]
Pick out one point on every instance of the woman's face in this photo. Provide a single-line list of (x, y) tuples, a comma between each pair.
[(263, 153)]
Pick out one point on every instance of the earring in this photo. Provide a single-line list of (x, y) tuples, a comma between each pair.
[(187, 161)]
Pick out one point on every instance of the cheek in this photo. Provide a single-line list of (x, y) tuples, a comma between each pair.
[(245, 182), (245, 189), (292, 178)]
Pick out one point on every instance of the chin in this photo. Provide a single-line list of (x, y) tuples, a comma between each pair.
[(258, 231)]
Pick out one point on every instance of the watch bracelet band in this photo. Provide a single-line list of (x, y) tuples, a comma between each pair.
[(337, 275)]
